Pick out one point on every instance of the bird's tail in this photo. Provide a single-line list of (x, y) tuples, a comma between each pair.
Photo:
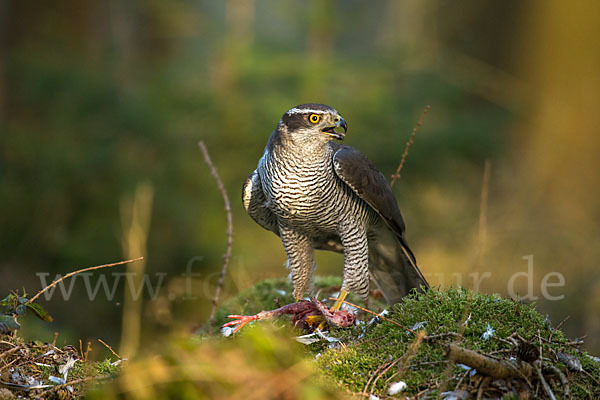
[(393, 267)]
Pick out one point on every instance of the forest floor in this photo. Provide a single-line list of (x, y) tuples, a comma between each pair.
[(449, 344)]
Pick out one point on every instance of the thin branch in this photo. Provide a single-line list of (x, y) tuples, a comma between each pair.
[(561, 377), (70, 274), (375, 373), (408, 144), (442, 336), (482, 386), (545, 385), (88, 349), (379, 315), (558, 327), (13, 350), (227, 257), (406, 359), (73, 382), (111, 349)]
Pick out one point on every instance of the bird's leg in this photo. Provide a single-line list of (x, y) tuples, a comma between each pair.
[(353, 236), (301, 264), (340, 300), (299, 309), (301, 260), (242, 320)]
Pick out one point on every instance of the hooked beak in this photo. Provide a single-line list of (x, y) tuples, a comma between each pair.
[(340, 123)]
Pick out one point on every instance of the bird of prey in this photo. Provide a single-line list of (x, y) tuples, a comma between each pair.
[(315, 193)]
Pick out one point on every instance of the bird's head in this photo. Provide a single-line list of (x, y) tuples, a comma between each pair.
[(313, 123)]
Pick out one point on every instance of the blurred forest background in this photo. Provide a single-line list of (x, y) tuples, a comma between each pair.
[(102, 105)]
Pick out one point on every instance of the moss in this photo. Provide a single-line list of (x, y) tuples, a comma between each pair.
[(106, 367), (265, 353), (366, 347)]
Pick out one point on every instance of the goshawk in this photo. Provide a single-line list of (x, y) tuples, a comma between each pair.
[(317, 194)]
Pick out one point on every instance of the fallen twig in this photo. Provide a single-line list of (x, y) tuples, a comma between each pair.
[(376, 373), (545, 385), (227, 257), (442, 335), (14, 349), (462, 378), (70, 274), (73, 382), (558, 327), (482, 386), (487, 365), (2, 368), (408, 144), (561, 377), (406, 358)]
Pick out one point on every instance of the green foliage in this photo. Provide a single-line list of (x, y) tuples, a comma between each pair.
[(8, 324), (105, 368), (39, 311), (14, 306)]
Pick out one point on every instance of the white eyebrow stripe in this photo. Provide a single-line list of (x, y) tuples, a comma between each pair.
[(306, 110)]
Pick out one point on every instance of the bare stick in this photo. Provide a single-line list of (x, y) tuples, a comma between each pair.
[(70, 274), (541, 350), (227, 257), (482, 386), (374, 374), (487, 365), (73, 382), (462, 378), (557, 328), (545, 385), (406, 359), (13, 350), (443, 335), (408, 144), (111, 349), (2, 368), (379, 315), (88, 349), (562, 377)]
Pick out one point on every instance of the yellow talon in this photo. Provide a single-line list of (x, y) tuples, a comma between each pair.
[(314, 319), (340, 300), (319, 320)]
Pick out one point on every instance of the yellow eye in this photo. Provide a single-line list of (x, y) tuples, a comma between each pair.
[(314, 118)]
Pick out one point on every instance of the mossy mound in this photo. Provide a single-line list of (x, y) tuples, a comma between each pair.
[(481, 322), (265, 361)]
